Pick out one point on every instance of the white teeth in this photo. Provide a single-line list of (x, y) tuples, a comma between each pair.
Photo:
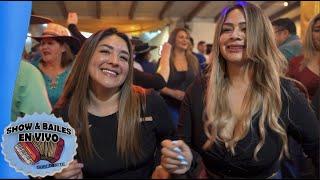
[(235, 46), (108, 71)]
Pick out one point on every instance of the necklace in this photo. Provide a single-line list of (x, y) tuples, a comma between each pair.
[(53, 82)]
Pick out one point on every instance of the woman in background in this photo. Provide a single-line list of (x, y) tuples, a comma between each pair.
[(184, 67), (57, 48), (306, 68)]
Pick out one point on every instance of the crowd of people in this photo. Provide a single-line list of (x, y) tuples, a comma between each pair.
[(245, 106)]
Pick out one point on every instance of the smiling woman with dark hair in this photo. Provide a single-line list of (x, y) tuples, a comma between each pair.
[(146, 80), (119, 126)]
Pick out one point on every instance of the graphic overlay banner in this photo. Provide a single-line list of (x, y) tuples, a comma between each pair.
[(39, 145)]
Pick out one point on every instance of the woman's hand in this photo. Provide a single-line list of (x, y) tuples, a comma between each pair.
[(176, 156), (166, 50), (72, 18), (73, 171), (160, 173), (164, 63), (179, 94), (174, 93)]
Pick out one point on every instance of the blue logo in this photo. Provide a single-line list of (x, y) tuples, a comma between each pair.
[(39, 145)]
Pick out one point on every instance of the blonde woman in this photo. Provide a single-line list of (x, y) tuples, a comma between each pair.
[(306, 68), (239, 116), (119, 126), (184, 67)]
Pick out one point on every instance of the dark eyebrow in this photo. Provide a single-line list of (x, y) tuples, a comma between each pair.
[(125, 52), (230, 24), (227, 24), (110, 47)]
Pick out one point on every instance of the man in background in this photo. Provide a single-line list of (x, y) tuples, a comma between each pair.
[(286, 37), (202, 47), (201, 58)]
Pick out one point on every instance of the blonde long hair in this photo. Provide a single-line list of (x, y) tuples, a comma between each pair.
[(309, 49), (264, 94), (191, 59), (76, 94)]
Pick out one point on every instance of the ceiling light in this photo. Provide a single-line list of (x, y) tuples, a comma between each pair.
[(285, 3)]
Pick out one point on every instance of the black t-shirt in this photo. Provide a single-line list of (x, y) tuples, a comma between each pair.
[(179, 80), (299, 121), (104, 137)]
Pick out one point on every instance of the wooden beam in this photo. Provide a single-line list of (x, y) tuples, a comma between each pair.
[(32, 12), (267, 4), (229, 3), (122, 24), (165, 8), (285, 10), (63, 8), (263, 6), (133, 8), (296, 18), (98, 9), (196, 10)]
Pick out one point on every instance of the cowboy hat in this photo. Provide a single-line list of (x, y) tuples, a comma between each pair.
[(142, 48), (59, 32), (136, 41), (35, 19)]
